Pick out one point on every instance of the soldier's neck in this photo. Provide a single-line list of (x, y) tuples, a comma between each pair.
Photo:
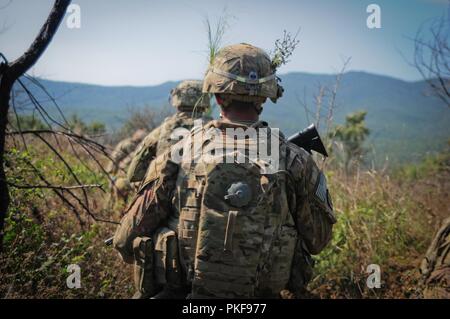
[(239, 120)]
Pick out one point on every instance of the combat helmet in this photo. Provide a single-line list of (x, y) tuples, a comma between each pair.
[(242, 72), (188, 96)]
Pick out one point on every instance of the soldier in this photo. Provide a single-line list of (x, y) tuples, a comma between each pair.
[(120, 160), (229, 222), (435, 266), (191, 104)]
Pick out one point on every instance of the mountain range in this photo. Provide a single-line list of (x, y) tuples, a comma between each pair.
[(405, 122)]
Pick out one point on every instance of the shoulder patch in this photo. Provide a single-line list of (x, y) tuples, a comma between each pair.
[(321, 189), (322, 195)]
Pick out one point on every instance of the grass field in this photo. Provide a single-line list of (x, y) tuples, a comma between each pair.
[(384, 219)]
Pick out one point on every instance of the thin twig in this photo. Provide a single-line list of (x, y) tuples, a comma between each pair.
[(55, 187)]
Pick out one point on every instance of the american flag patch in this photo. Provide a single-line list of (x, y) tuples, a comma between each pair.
[(321, 191)]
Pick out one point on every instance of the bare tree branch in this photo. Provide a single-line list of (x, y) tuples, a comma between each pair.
[(432, 56), (334, 90), (9, 73), (18, 67), (55, 187)]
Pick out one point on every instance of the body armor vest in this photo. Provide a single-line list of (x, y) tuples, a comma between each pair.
[(236, 234)]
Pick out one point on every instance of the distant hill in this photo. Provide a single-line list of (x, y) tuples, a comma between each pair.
[(405, 124)]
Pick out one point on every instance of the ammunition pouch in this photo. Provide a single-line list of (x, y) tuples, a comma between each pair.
[(143, 267), (156, 263), (166, 260)]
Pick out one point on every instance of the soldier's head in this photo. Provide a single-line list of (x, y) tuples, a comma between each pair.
[(242, 78), (188, 97)]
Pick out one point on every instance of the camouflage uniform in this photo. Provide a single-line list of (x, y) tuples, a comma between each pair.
[(120, 160), (190, 103), (435, 267), (236, 229)]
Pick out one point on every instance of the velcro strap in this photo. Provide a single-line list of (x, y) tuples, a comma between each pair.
[(242, 78), (228, 242)]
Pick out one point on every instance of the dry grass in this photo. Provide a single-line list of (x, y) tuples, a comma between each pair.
[(383, 219), (43, 236)]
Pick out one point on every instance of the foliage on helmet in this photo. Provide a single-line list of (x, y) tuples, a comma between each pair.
[(283, 49), (242, 70)]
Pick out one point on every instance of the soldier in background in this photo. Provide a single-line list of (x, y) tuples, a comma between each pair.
[(133, 155), (191, 104), (214, 229), (120, 160), (435, 267)]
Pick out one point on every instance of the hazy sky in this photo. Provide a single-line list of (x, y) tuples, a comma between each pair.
[(139, 42)]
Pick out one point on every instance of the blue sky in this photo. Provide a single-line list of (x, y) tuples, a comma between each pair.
[(139, 42)]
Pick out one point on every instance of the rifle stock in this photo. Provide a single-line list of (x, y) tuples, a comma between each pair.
[(309, 139)]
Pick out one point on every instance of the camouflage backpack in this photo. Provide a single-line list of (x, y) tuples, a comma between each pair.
[(236, 235)]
